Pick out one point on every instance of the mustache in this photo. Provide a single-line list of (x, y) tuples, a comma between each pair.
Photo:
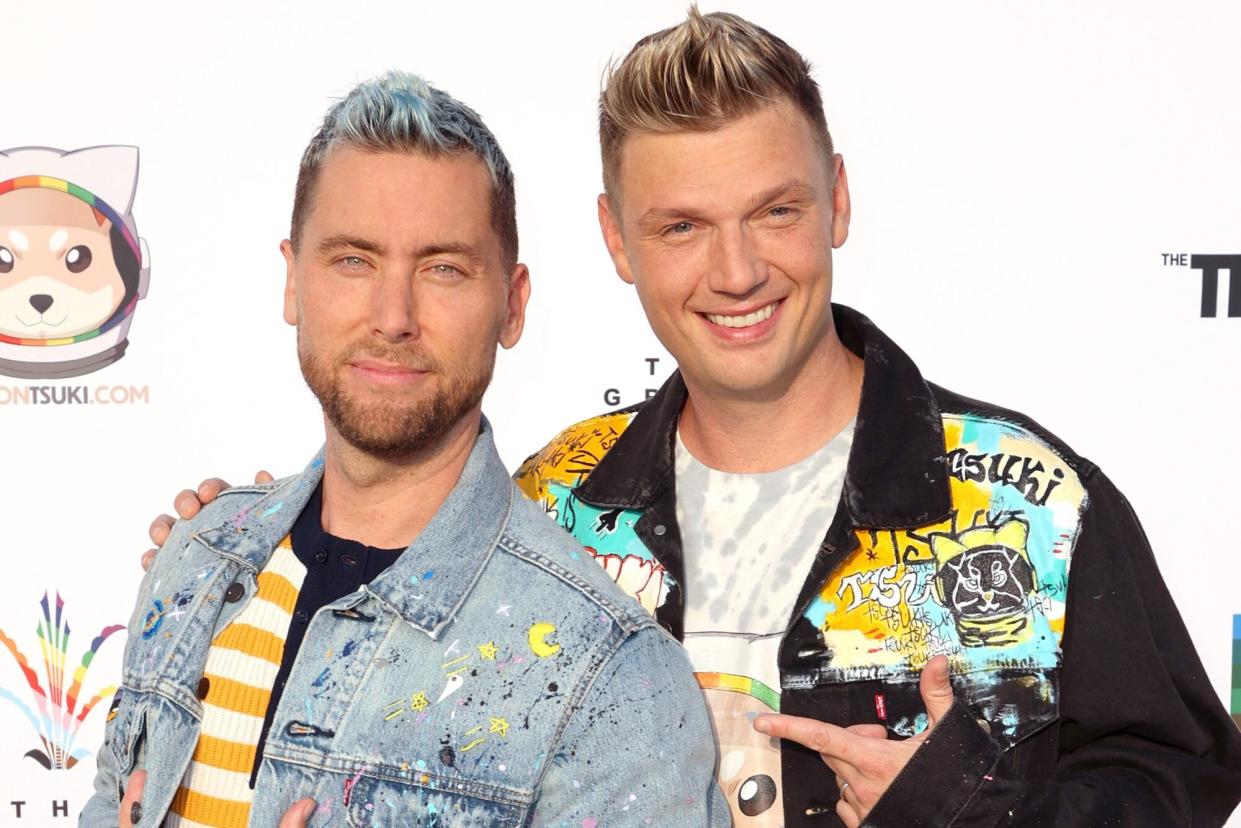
[(413, 357)]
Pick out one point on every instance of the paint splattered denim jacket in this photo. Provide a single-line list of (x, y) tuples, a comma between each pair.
[(963, 529), (493, 676)]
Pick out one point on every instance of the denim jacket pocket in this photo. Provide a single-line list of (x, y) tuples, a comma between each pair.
[(1011, 704), (371, 802)]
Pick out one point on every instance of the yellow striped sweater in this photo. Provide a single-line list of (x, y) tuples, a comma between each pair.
[(241, 670)]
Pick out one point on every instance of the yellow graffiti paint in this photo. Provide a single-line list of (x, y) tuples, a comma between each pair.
[(537, 636)]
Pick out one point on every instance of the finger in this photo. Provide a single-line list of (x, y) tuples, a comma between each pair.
[(298, 814), (264, 476), (936, 688), (133, 795), (853, 797), (187, 504), (210, 489), (828, 739), (847, 814), (160, 529), (148, 558), (868, 731)]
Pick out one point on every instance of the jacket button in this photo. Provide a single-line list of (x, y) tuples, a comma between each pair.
[(204, 685), (321, 556), (234, 592), (660, 530)]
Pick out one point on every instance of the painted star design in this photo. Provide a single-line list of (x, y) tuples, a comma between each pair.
[(499, 726), (488, 651), (419, 701), (872, 555)]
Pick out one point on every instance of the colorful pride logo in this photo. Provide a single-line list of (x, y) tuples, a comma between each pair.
[(1236, 669), (58, 717)]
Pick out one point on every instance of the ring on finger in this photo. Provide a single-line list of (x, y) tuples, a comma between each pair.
[(843, 788)]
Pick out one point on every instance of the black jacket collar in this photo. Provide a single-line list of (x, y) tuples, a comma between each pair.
[(897, 473)]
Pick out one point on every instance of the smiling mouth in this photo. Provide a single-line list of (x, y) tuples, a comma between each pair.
[(744, 320), (41, 322)]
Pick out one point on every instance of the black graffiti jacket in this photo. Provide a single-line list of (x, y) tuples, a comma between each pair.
[(963, 529)]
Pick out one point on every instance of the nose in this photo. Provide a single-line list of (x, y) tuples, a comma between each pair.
[(41, 302), (393, 316), (735, 268)]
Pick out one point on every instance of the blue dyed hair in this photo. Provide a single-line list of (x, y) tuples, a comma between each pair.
[(401, 112)]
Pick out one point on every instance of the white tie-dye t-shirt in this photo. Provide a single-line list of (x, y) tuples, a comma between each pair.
[(749, 541)]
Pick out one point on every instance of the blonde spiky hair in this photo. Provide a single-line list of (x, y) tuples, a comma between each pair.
[(697, 76)]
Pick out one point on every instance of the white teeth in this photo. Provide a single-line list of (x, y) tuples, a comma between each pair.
[(746, 321)]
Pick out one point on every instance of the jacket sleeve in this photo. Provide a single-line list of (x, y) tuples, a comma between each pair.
[(639, 751), (112, 771), (102, 808), (1143, 739)]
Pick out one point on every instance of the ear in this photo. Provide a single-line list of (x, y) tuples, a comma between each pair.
[(609, 224), (842, 208), (1013, 534), (515, 307), (110, 172), (290, 283), (945, 547)]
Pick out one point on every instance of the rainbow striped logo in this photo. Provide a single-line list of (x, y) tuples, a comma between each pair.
[(751, 687), (56, 717), (1236, 669), (101, 208)]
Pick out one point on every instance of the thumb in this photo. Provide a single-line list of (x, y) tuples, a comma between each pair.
[(936, 689), (133, 795), (298, 814), (263, 476)]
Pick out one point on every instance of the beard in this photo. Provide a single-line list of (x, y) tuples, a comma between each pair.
[(392, 429)]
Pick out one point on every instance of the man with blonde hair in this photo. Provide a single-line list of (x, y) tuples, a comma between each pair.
[(941, 598), (954, 617)]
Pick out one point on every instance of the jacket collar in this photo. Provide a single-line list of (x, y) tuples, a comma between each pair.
[(897, 472), (434, 575)]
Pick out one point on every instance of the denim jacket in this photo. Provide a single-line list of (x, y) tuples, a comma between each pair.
[(966, 529), (494, 675)]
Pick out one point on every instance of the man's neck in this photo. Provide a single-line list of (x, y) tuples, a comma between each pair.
[(387, 502), (748, 435)]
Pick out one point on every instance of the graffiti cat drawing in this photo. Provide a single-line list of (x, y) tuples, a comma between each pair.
[(984, 576)]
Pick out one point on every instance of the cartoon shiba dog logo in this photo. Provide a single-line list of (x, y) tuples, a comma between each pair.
[(72, 267)]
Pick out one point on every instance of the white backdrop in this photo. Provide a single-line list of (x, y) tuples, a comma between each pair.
[(1018, 170)]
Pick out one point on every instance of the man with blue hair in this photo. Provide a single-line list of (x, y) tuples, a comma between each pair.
[(395, 635)]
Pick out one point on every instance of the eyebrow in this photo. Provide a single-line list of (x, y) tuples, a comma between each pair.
[(458, 248), (344, 240), (792, 189), (18, 239)]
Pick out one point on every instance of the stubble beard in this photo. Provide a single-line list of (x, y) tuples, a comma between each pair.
[(386, 428)]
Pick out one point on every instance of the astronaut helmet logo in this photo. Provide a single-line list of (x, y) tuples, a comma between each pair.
[(53, 711), (72, 266)]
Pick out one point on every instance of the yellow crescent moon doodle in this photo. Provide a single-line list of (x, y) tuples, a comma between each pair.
[(539, 644)]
